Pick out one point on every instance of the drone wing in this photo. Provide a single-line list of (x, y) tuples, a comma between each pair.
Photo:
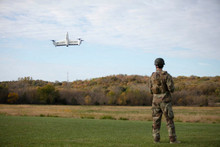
[(60, 43), (73, 42)]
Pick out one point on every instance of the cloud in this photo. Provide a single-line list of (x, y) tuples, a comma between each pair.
[(154, 26)]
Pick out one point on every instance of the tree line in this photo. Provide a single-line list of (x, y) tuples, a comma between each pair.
[(129, 90)]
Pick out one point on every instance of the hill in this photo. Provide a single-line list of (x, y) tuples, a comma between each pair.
[(109, 90)]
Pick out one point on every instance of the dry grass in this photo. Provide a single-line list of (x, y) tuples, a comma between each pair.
[(182, 114)]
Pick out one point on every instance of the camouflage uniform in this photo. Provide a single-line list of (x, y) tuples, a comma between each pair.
[(161, 85)]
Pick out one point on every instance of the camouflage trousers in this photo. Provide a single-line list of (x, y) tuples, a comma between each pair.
[(158, 109)]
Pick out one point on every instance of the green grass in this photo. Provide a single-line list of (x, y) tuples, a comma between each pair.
[(55, 131)]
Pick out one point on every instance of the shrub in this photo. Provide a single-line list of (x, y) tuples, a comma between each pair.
[(48, 94), (123, 118), (12, 98), (108, 117), (3, 94), (87, 117)]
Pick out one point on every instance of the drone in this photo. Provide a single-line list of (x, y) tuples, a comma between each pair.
[(67, 42)]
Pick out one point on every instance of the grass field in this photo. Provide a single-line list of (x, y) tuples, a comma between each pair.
[(55, 131), (182, 114), (49, 125)]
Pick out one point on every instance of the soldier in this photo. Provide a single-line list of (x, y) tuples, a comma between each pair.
[(161, 86)]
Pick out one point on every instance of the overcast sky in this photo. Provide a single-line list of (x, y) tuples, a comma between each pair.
[(121, 37)]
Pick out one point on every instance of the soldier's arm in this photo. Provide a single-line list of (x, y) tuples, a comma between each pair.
[(170, 83), (150, 85)]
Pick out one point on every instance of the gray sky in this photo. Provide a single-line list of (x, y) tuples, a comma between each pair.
[(121, 37)]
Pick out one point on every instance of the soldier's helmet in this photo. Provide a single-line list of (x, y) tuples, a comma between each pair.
[(159, 62)]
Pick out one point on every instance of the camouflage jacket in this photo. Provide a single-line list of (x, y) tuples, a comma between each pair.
[(161, 85)]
